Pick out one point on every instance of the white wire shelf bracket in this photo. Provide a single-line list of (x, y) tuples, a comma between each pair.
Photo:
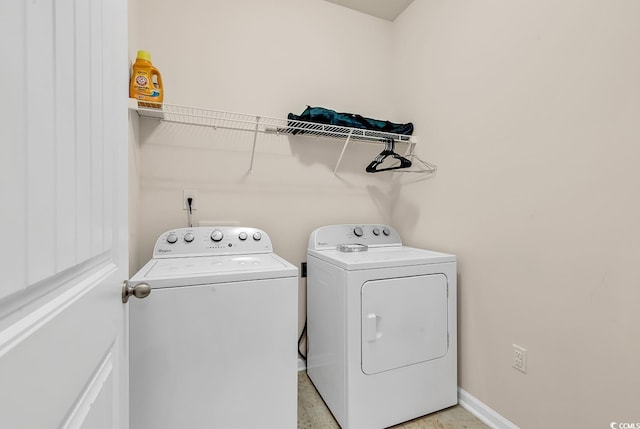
[(217, 119)]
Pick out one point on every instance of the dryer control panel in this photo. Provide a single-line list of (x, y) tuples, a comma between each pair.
[(371, 235), (209, 241)]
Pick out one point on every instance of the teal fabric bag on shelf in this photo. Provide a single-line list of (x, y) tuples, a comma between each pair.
[(326, 116)]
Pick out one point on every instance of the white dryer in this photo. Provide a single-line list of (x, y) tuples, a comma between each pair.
[(382, 343), (214, 344)]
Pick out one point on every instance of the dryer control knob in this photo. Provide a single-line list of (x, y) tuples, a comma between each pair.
[(188, 237), (242, 236), (257, 236), (217, 235), (386, 231), (172, 238), (376, 231), (357, 231)]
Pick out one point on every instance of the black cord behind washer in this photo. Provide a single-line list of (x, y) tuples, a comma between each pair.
[(302, 335)]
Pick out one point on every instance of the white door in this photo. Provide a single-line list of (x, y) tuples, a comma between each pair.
[(63, 152), (404, 321)]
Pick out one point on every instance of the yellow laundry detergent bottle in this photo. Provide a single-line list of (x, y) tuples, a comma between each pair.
[(146, 82)]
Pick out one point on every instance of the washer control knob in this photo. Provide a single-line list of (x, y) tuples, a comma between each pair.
[(257, 236), (172, 238), (357, 231), (376, 231), (188, 237), (386, 231), (242, 236), (217, 235)]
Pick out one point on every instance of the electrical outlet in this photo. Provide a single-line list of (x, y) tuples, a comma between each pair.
[(194, 199), (520, 358)]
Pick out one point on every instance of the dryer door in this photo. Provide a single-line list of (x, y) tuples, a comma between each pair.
[(404, 321)]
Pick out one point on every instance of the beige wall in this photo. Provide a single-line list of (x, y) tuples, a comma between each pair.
[(531, 109)]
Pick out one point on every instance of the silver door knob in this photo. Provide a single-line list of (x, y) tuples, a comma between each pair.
[(141, 290)]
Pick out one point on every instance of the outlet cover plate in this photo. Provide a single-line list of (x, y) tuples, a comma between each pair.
[(519, 358), (190, 194)]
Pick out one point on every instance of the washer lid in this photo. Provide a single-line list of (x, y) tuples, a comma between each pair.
[(174, 272), (381, 257)]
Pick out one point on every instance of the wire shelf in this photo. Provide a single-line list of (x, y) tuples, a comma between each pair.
[(217, 119), (262, 124)]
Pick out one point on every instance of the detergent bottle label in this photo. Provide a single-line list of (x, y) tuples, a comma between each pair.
[(144, 88)]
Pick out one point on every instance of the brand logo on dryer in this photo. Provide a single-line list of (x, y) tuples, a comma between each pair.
[(164, 250)]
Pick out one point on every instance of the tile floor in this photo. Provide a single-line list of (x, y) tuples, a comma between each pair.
[(314, 414)]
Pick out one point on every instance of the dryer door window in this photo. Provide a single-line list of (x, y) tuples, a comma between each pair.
[(404, 321)]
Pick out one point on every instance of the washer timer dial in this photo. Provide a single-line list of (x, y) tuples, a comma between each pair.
[(217, 235)]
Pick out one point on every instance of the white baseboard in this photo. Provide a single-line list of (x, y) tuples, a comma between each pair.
[(302, 364), (483, 412)]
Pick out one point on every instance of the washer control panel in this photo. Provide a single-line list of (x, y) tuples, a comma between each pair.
[(371, 235), (209, 241)]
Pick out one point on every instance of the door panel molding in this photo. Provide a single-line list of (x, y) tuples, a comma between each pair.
[(20, 304), (95, 394), (49, 357), (20, 331)]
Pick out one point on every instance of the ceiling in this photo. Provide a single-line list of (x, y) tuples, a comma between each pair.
[(385, 9)]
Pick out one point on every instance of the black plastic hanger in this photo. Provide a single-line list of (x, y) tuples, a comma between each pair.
[(387, 152)]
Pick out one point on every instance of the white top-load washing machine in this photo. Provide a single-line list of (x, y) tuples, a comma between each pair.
[(381, 326), (214, 345)]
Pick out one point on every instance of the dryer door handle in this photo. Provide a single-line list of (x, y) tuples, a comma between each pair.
[(372, 327)]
